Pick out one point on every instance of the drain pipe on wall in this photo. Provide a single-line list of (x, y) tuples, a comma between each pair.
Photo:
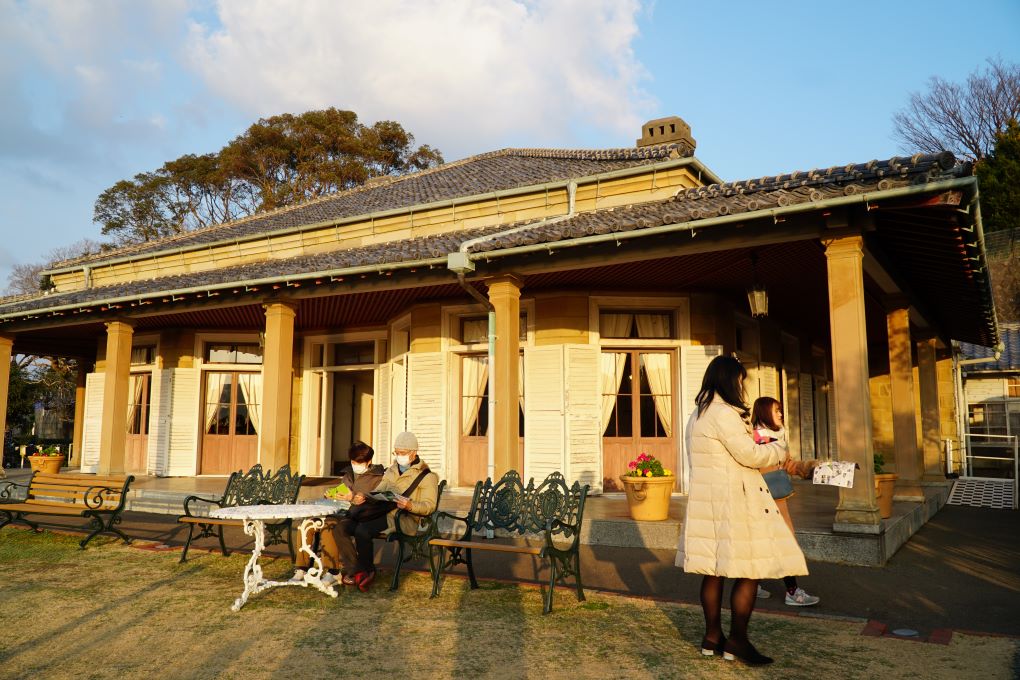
[(460, 263)]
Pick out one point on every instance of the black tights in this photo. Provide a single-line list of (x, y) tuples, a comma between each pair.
[(741, 605)]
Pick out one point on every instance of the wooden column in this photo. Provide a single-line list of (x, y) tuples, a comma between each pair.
[(277, 379), (931, 416), (909, 465), (857, 510), (505, 296), (79, 414), (116, 385), (6, 346)]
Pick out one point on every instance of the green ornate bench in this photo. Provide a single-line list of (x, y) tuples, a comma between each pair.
[(100, 498), (414, 546), (550, 510), (254, 487)]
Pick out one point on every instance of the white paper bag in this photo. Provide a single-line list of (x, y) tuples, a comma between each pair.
[(835, 473)]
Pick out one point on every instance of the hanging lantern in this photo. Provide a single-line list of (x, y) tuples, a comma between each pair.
[(758, 299), (757, 296)]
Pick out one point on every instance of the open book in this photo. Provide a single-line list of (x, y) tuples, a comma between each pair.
[(385, 496), (338, 490)]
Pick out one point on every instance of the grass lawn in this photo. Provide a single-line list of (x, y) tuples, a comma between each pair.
[(114, 611)]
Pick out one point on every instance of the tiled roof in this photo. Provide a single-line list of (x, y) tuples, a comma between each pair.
[(761, 195), (494, 171), (1009, 359)]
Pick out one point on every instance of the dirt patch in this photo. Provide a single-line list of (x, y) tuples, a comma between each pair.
[(112, 612)]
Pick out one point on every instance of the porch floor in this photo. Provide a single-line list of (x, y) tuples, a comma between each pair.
[(608, 523)]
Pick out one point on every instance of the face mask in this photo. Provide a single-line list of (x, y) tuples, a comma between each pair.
[(403, 461), (359, 468)]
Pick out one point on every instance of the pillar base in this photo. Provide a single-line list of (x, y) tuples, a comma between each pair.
[(935, 480), (908, 491), (857, 518)]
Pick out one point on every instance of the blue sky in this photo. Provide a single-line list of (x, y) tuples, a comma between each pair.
[(96, 92)]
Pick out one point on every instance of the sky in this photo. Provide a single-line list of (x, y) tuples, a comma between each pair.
[(95, 92)]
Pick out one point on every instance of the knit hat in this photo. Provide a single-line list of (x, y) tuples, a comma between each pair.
[(406, 441)]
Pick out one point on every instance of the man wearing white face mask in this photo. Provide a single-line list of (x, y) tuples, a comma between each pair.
[(336, 548), (417, 490)]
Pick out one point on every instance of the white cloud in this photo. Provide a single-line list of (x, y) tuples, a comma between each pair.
[(464, 76)]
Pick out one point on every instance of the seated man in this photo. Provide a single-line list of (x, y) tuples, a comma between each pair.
[(361, 477), (417, 490)]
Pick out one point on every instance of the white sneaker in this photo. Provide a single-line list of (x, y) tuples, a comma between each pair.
[(801, 599), (298, 577), (329, 579), (763, 594)]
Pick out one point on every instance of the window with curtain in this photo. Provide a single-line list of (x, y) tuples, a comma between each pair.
[(475, 329), (223, 353), (474, 399), (218, 391), (637, 403), (636, 326), (143, 356), (138, 404)]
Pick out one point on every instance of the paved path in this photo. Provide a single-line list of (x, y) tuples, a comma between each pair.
[(960, 571)]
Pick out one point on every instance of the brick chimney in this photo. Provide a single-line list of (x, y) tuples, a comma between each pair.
[(671, 130)]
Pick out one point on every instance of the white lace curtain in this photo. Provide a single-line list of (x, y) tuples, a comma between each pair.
[(612, 326), (250, 385), (656, 364), (474, 377), (214, 383), (657, 367), (137, 385)]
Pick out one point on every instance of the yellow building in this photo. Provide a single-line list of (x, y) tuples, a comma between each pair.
[(610, 278)]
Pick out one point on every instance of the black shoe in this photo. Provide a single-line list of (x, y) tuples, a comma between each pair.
[(746, 653), (709, 648)]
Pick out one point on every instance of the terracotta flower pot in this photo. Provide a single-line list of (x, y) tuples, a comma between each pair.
[(49, 465), (648, 497), (884, 484)]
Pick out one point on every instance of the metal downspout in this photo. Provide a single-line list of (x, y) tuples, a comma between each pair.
[(490, 440), (460, 263)]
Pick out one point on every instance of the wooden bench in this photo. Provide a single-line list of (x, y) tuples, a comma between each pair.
[(100, 498), (551, 509), (254, 487), (415, 546)]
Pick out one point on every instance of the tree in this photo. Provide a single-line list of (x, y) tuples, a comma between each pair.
[(999, 181), (26, 278), (962, 118), (23, 391), (278, 161)]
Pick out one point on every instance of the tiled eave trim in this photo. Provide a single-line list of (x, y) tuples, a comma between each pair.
[(690, 162), (773, 213)]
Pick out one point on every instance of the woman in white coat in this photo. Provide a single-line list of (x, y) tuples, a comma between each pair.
[(732, 528)]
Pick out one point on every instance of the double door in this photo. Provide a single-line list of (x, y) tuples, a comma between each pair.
[(231, 421)]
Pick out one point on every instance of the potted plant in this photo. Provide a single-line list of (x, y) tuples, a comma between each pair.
[(648, 486), (884, 483), (47, 460)]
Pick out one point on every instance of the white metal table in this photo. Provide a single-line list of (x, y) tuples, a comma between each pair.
[(255, 518)]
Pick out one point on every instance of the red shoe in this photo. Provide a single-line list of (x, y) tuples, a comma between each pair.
[(364, 580)]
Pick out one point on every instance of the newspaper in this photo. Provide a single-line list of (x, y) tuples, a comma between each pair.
[(835, 473)]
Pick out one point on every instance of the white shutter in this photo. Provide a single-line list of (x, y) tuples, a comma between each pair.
[(791, 410), (93, 423), (807, 417), (426, 407), (182, 458), (694, 360), (398, 401), (833, 453), (768, 381), (159, 423), (382, 436), (544, 412), (584, 415)]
